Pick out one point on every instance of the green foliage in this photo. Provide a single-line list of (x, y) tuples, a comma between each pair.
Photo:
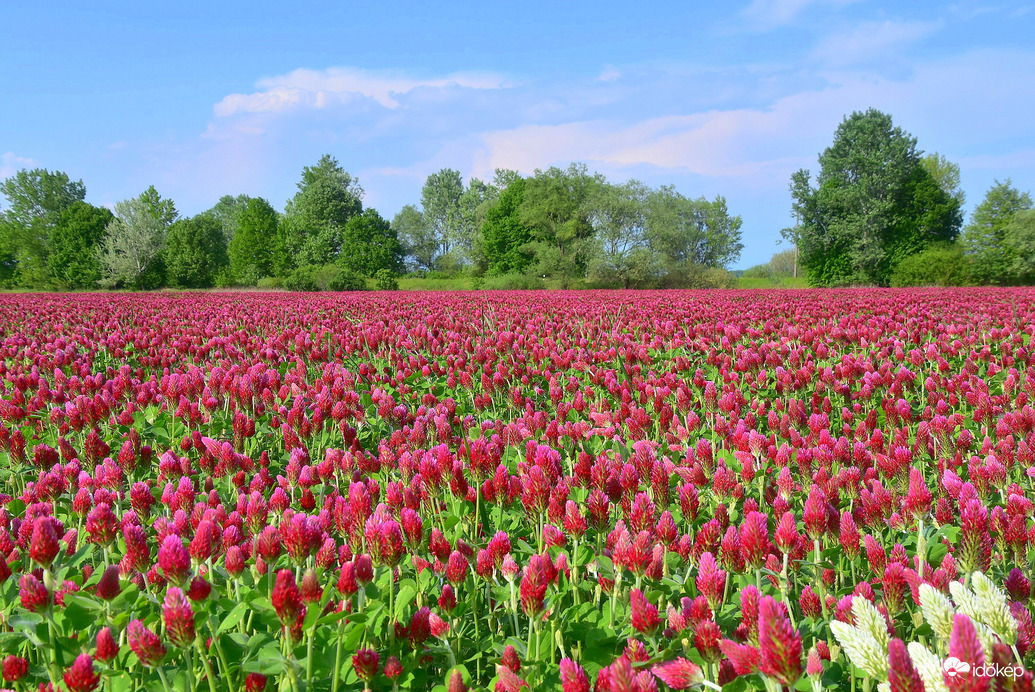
[(72, 259), (938, 265), (873, 205), (130, 255), (326, 277), (227, 211), (271, 282), (623, 256), (345, 280), (301, 279), (512, 282), (370, 245), (691, 231), (385, 280), (555, 209), (696, 276), (946, 174), (195, 252), (985, 236), (255, 247), (416, 237), (504, 237), (315, 218), (36, 200), (1020, 237)]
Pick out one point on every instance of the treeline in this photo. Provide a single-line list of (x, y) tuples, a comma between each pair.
[(880, 213), (565, 226)]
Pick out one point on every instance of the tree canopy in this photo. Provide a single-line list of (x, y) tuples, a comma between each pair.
[(874, 204)]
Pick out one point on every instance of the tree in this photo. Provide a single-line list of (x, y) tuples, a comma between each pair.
[(946, 174), (418, 240), (315, 217), (72, 258), (257, 244), (691, 232), (227, 211), (504, 237), (130, 254), (440, 202), (618, 215), (984, 237), (370, 245), (873, 205), (36, 200), (1020, 237), (555, 210), (195, 252)]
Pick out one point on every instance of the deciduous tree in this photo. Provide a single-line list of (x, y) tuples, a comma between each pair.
[(195, 252), (35, 201), (874, 203), (984, 238)]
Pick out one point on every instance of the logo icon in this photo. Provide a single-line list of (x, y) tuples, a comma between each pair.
[(953, 667)]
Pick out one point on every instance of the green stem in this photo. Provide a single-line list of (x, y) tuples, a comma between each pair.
[(165, 681), (337, 656)]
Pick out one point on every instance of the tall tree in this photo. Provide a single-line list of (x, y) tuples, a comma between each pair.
[(555, 210), (418, 240), (691, 232), (195, 252), (504, 235), (440, 200), (227, 211), (1020, 237), (946, 174), (315, 218), (984, 237), (73, 246), (623, 256), (256, 250), (369, 245), (36, 200), (130, 254), (873, 205)]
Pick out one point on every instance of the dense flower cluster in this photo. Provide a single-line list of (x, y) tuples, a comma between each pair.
[(592, 491)]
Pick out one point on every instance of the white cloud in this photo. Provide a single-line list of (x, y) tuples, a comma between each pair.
[(10, 163), (871, 41), (759, 147), (318, 89), (780, 12), (609, 74)]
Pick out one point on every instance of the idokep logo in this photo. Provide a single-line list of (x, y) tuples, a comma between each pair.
[(954, 667)]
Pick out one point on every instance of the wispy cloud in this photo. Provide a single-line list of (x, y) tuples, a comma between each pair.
[(11, 163), (319, 89), (774, 13), (870, 42)]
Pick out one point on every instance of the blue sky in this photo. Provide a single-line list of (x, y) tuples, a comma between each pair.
[(206, 99)]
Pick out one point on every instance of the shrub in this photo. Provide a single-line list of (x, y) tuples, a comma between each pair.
[(695, 276), (301, 279), (271, 282), (348, 281), (385, 280), (941, 265), (513, 282)]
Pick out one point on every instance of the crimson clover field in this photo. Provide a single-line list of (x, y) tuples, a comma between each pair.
[(614, 491)]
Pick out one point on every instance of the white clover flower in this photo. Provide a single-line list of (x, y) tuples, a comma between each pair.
[(965, 600), (928, 666), (862, 649), (938, 611), (995, 611), (869, 619)]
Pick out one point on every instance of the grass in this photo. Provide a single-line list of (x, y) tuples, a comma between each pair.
[(761, 282)]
